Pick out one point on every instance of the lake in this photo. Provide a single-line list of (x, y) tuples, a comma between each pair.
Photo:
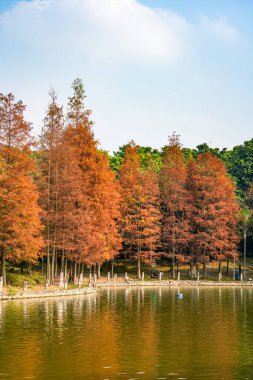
[(141, 333)]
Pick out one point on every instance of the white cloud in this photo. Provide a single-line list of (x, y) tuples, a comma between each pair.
[(110, 30), (221, 28), (154, 76)]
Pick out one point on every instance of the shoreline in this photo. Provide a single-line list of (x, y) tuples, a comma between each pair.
[(174, 284), (47, 293), (118, 284)]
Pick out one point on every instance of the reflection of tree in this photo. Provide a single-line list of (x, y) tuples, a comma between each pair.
[(128, 331), (245, 317), (20, 352), (200, 336)]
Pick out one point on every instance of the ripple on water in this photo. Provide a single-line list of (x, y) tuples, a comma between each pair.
[(137, 328)]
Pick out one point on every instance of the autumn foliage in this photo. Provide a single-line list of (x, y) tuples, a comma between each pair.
[(175, 205), (140, 208), (20, 225), (214, 210), (61, 202)]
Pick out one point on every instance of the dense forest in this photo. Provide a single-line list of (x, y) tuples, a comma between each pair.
[(69, 204)]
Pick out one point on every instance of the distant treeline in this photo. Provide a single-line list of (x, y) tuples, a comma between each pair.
[(63, 199), (239, 161)]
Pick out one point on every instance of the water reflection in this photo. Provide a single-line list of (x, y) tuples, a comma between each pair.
[(130, 333)]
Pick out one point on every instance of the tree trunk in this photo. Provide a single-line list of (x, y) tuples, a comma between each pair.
[(3, 268), (48, 263), (56, 265), (66, 268), (125, 257), (219, 267), (173, 267), (244, 253), (227, 267), (139, 267), (71, 271), (99, 267), (29, 269), (191, 268), (204, 270), (112, 267), (62, 261), (48, 222), (52, 265), (75, 267)]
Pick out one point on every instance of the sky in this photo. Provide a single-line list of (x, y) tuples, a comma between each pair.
[(149, 67)]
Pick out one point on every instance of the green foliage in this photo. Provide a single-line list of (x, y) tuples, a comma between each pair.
[(146, 154), (240, 164), (18, 280), (239, 161), (11, 291)]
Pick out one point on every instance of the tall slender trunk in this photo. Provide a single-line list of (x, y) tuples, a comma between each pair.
[(29, 269), (112, 267), (48, 222), (56, 264), (54, 259), (53, 264), (71, 271), (173, 252), (204, 270), (62, 260), (244, 253), (3, 267), (66, 268), (173, 263), (227, 267), (139, 263), (99, 267), (191, 269), (75, 267), (219, 267)]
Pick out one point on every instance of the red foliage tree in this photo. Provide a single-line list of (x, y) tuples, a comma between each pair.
[(140, 215), (175, 204), (20, 226), (215, 210), (49, 181), (89, 196)]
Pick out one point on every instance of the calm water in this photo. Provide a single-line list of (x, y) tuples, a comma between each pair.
[(129, 334)]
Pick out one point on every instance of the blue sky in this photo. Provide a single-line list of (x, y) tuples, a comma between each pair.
[(149, 67)]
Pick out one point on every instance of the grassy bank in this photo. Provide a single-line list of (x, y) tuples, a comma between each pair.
[(36, 278)]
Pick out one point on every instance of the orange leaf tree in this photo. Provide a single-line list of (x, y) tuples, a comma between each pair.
[(20, 226), (175, 204), (49, 181), (140, 214), (215, 210)]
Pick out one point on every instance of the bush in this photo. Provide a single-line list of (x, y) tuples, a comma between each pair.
[(19, 279)]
